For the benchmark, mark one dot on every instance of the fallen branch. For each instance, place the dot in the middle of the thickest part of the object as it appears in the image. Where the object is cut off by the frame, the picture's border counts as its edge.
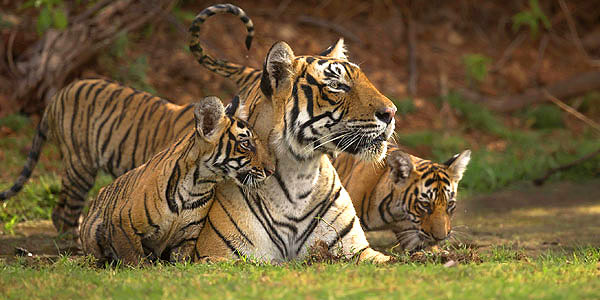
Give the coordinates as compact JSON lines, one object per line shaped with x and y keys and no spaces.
{"x":44,"y":67}
{"x":541,"y":180}
{"x":573,"y":86}
{"x":572,"y":111}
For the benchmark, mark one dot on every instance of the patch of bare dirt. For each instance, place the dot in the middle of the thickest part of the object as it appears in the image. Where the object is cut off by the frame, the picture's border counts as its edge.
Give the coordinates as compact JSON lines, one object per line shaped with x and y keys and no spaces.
{"x":35,"y":240}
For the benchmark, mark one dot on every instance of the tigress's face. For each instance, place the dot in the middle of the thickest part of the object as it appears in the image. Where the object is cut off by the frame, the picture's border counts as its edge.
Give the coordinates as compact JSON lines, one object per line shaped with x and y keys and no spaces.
{"x":422,"y":198}
{"x":237,"y":152}
{"x":329,"y":105}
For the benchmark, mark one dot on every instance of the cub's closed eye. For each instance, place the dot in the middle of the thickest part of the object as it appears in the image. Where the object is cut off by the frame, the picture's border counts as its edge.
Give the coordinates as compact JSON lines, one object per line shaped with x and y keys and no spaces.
{"x":333,"y":85}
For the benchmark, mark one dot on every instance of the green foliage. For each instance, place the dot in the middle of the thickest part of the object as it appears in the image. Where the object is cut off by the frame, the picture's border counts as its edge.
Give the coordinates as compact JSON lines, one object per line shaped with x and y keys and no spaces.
{"x":405,"y":106}
{"x":476,"y":67}
{"x":183,"y":15}
{"x":544,"y":116}
{"x":35,"y":201}
{"x":531,"y":18}
{"x":590,"y":103}
{"x":52,"y":14}
{"x":477,"y":117}
{"x":136,"y":75}
{"x":526,"y":154}
{"x":15,"y":122}
{"x":10,"y":224}
{"x":119,"y":47}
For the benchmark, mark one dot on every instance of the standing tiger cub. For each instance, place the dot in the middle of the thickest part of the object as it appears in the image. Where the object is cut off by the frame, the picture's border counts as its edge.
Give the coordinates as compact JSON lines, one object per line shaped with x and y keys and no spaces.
{"x":157,"y":209}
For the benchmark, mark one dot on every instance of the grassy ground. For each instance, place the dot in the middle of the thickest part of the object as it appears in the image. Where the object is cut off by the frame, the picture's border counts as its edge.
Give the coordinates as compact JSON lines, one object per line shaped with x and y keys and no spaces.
{"x":502,"y":274}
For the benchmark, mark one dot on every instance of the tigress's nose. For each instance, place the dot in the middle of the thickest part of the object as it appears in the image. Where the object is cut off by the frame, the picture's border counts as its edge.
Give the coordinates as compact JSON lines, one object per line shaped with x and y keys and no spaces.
{"x":386,"y":115}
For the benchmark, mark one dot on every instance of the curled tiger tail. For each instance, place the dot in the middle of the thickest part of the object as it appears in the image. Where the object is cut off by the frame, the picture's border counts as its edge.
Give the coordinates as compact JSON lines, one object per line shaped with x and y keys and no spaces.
{"x":32,"y":158}
{"x":220,"y":66}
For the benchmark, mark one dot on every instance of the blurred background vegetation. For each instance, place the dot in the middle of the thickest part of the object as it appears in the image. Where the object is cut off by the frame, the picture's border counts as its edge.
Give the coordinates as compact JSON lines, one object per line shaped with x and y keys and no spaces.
{"x":465,"y":57}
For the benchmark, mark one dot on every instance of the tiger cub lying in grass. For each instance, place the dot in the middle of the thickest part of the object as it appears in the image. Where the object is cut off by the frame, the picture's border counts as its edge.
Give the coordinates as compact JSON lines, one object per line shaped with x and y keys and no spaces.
{"x":157,"y":209}
{"x":413,"y":197}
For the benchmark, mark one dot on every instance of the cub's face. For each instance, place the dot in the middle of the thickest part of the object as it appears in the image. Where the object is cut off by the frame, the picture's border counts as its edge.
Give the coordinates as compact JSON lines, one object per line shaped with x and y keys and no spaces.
{"x":329,"y":104}
{"x":235,"y":151}
{"x":242,"y":156}
{"x":422,"y":198}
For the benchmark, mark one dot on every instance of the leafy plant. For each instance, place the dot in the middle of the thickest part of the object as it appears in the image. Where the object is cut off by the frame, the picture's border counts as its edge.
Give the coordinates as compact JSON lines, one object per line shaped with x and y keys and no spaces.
{"x":119,"y":46}
{"x":544,"y":116}
{"x":136,"y":75}
{"x":531,"y":18}
{"x":15,"y":122}
{"x":476,"y":116}
{"x":52,"y":14}
{"x":476,"y":66}
{"x":10,"y":224}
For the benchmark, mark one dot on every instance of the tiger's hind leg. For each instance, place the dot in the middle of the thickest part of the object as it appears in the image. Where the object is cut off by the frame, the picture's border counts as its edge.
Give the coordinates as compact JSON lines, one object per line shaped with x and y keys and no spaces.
{"x":76,"y":183}
{"x":127,"y":246}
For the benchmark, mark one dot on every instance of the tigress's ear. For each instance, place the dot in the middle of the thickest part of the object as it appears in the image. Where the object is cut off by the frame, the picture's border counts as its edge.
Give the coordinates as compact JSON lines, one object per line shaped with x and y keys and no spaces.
{"x":458,"y":164}
{"x":277,"y":70}
{"x":336,"y":51}
{"x":401,"y":166}
{"x":208,"y":113}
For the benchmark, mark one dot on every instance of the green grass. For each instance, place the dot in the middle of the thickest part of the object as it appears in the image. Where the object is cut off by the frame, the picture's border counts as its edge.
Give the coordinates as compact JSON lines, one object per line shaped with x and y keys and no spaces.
{"x":503,"y":274}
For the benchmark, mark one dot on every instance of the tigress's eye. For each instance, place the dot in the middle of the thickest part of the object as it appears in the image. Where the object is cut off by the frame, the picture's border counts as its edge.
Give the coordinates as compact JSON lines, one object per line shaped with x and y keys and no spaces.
{"x":245,"y":144}
{"x":333,"y":84}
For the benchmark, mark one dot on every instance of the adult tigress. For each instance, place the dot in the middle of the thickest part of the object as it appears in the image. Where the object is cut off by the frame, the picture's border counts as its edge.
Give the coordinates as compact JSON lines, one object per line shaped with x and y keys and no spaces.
{"x":303,"y":107}
{"x":411,"y":196}
{"x":379,"y":195}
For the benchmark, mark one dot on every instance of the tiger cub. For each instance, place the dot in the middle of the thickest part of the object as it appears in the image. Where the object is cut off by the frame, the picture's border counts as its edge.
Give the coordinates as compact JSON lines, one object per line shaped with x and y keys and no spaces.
{"x":413,"y":197}
{"x":157,"y":209}
{"x":100,"y":125}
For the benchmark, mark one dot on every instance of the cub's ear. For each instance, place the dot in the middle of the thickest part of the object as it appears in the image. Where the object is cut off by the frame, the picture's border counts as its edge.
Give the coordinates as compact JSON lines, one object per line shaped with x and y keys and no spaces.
{"x":458,"y":164}
{"x":401,"y":166}
{"x":277,"y":70}
{"x":336,"y":51}
{"x":209,"y":114}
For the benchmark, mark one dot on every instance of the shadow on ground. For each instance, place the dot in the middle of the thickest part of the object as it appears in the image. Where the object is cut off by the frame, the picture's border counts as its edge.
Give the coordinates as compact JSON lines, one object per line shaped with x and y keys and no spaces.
{"x":558,"y":216}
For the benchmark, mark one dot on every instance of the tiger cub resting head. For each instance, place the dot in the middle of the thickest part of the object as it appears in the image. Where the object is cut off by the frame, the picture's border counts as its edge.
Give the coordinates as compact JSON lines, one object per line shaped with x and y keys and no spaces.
{"x":413,"y":197}
{"x":157,"y":209}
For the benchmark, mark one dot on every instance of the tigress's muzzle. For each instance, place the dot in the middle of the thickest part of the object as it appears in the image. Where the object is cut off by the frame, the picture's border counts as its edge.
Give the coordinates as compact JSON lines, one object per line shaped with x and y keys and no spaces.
{"x":358,"y":143}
